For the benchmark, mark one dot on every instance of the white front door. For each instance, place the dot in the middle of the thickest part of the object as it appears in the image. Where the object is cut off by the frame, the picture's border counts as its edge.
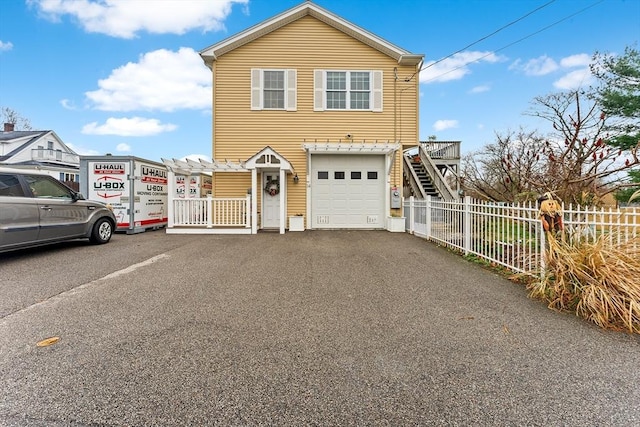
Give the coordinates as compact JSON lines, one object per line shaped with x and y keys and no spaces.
{"x":271,"y":199}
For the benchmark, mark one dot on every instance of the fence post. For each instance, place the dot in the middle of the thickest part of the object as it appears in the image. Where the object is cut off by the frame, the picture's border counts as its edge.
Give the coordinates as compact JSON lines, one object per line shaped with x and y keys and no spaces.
{"x":466,"y":224}
{"x":427,"y":217}
{"x":209,"y":211}
{"x":543,"y":251}
{"x":411,"y":215}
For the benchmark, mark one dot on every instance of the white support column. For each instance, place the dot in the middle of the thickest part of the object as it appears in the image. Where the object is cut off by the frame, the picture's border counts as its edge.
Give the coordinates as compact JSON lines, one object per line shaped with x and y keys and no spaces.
{"x":171,"y":194}
{"x":283,"y":200}
{"x":247,"y":220}
{"x":254,"y":201}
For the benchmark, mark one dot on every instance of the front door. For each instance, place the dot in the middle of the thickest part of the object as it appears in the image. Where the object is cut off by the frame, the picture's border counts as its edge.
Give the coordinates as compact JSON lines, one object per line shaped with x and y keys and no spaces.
{"x":271,"y":199}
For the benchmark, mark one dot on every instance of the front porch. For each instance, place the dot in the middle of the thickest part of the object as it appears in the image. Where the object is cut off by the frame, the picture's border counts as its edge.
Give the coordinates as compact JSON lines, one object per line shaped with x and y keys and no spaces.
{"x":229,"y":215}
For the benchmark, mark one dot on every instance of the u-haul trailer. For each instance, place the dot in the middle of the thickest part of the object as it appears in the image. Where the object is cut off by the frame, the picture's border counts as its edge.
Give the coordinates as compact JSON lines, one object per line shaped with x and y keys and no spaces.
{"x":193,"y":186}
{"x":136,"y":189}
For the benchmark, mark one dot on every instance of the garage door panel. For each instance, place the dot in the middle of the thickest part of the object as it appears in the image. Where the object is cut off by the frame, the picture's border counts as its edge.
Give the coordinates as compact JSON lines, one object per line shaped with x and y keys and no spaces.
{"x":351,"y":193}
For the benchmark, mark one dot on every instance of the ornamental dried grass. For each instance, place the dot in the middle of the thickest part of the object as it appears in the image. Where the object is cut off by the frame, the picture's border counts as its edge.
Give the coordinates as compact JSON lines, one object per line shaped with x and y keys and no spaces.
{"x":599,"y":281}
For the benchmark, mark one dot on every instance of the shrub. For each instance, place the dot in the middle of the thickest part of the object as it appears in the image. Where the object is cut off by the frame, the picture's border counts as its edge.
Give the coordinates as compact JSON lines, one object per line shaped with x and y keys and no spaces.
{"x":599,"y":281}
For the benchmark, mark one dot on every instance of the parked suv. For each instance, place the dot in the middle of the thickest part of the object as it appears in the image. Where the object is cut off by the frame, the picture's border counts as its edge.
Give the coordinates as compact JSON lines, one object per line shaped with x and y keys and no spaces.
{"x":36,"y":209}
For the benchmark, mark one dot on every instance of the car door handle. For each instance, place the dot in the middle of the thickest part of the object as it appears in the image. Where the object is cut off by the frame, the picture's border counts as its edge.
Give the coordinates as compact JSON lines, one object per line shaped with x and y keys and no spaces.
{"x":45,"y":208}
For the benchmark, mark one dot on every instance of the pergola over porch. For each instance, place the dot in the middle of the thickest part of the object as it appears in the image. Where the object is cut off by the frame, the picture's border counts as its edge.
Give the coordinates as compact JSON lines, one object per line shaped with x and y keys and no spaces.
{"x":213,"y":215}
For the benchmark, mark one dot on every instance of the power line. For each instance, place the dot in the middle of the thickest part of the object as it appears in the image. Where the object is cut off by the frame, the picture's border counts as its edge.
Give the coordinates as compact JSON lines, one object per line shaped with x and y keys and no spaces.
{"x":481,"y":39}
{"x":503,"y":47}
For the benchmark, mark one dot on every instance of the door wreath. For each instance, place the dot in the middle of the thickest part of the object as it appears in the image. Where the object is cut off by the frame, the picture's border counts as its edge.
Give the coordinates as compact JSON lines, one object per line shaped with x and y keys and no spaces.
{"x":272,"y":187}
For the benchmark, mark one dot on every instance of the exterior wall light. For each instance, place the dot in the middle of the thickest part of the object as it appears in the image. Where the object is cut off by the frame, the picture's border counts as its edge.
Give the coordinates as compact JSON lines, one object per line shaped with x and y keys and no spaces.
{"x":296,"y":179}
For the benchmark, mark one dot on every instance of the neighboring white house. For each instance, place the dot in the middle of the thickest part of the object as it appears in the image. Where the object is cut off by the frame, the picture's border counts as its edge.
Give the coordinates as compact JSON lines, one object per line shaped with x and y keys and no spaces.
{"x":42,"y":150}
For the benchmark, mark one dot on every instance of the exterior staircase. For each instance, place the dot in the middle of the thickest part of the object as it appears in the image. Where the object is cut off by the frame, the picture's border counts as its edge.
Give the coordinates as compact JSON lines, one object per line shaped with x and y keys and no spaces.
{"x":424,"y":179}
{"x":426,"y":170}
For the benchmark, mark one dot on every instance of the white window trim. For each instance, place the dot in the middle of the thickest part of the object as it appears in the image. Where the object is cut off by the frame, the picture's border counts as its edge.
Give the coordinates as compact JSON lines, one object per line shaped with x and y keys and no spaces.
{"x":257,"y":89}
{"x":375,"y":90}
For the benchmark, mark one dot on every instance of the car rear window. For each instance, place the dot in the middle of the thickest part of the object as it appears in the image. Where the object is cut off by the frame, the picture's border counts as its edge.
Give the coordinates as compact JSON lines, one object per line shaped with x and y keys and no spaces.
{"x":10,"y":186}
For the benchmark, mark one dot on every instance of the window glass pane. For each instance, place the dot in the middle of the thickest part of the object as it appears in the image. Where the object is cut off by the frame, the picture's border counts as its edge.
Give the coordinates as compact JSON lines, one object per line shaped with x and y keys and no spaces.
{"x":356,"y":175}
{"x":360,"y":100}
{"x":43,"y":186}
{"x":336,"y":100}
{"x":336,"y":90}
{"x":273,"y":99}
{"x":10,"y":186}
{"x":323,"y":175}
{"x":273,"y":89}
{"x":274,"y":79}
{"x":359,"y":80}
{"x":372,"y":175}
{"x":336,"y":80}
{"x":338,"y":175}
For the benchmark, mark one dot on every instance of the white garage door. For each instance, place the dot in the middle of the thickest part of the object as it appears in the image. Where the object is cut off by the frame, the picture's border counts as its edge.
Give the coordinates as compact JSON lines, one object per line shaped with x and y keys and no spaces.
{"x":347,"y":191}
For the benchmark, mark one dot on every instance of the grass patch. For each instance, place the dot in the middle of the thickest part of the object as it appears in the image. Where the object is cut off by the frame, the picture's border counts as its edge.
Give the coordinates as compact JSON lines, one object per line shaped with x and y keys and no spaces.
{"x":598,"y":281}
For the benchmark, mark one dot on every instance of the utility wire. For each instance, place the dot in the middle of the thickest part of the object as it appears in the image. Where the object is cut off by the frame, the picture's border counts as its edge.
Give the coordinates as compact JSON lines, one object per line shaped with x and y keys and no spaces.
{"x":481,"y":39}
{"x":503,"y":47}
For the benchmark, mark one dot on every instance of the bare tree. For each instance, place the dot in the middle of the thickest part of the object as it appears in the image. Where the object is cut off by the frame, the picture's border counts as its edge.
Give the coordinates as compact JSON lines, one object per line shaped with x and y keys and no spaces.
{"x":581,"y":166}
{"x":11,"y":116}
{"x":508,"y":170}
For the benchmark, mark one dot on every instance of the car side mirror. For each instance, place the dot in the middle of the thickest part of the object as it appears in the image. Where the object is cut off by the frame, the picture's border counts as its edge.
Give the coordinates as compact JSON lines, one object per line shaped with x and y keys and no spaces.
{"x":76,"y":196}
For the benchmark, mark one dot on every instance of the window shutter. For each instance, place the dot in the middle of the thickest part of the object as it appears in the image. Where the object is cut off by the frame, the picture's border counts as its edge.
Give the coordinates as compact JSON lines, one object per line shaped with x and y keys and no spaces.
{"x":290,"y":78}
{"x":318,"y":92}
{"x":377,"y":91}
{"x":256,"y":89}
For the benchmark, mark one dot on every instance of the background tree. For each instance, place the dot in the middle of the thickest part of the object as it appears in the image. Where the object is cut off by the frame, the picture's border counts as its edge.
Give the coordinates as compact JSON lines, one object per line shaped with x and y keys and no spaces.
{"x":506,"y":169}
{"x":618,"y":94}
{"x":11,"y":116}
{"x":576,"y":161}
{"x":583,"y":165}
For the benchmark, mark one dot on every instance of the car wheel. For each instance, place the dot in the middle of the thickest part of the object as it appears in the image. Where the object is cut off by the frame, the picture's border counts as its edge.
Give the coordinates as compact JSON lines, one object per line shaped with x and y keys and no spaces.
{"x":102,"y":231}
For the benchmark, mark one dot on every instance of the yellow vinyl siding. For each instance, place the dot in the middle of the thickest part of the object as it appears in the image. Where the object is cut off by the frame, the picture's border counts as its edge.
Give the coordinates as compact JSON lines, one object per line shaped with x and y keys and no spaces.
{"x":305,"y":45}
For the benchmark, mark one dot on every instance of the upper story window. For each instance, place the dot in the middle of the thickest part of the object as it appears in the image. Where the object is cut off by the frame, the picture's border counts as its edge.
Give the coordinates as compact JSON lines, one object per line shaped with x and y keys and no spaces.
{"x":273,"y":89}
{"x":348,"y":90}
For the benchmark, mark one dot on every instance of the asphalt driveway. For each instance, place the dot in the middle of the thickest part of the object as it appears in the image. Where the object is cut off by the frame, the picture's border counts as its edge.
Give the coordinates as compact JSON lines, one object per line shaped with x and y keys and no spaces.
{"x":314,"y":328}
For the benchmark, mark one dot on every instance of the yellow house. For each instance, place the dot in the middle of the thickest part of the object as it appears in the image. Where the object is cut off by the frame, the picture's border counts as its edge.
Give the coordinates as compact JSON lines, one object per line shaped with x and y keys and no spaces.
{"x":310,"y":117}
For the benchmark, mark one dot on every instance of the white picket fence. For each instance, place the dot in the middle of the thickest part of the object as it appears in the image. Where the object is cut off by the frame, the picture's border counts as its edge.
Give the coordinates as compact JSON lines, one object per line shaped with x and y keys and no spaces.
{"x":510,"y":235}
{"x":211,"y":212}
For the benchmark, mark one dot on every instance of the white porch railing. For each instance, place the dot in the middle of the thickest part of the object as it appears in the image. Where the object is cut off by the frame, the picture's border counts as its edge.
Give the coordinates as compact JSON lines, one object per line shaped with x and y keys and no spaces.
{"x":510,"y":234}
{"x":212,"y":212}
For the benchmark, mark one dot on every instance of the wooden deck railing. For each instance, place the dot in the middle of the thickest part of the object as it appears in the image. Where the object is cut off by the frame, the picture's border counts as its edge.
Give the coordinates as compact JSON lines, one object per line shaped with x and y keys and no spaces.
{"x":449,"y":150}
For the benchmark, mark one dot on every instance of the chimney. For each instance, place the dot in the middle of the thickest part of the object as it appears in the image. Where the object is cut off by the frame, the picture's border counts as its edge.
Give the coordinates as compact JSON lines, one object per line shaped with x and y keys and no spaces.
{"x":8,"y":127}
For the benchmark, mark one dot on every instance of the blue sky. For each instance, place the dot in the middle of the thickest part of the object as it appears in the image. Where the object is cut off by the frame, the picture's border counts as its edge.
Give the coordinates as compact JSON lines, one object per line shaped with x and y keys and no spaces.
{"x":124,"y":77}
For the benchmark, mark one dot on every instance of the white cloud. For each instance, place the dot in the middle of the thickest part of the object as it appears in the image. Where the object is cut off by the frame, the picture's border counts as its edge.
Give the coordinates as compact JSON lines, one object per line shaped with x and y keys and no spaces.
{"x":125,"y":19}
{"x":5,"y":45}
{"x":161,"y":80}
{"x":480,"y":89}
{"x":574,"y":79}
{"x":579,"y":60}
{"x":456,"y":67}
{"x":535,"y":67}
{"x":124,"y":148}
{"x":135,"y":126}
{"x":440,"y":125}
{"x":67,"y":104}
